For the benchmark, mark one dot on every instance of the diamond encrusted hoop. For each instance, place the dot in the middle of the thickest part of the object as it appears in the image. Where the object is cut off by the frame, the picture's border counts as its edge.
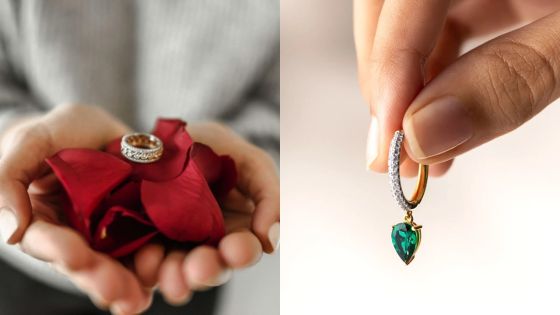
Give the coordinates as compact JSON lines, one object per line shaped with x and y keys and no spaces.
{"x":406,"y":235}
{"x":141,"y":147}
{"x":395,"y":178}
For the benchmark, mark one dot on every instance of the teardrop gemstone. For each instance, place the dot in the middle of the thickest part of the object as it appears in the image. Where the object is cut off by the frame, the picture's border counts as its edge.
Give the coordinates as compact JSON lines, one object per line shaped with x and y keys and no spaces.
{"x":405,"y":241}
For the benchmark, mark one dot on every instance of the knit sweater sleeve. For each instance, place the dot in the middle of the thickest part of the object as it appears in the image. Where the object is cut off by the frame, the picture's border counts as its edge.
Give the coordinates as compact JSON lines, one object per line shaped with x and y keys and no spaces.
{"x":16,"y":100}
{"x":258,"y":118}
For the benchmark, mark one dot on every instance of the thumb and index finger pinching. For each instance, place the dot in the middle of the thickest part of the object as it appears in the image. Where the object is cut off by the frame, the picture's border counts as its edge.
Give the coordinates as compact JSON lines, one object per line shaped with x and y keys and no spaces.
{"x":488,"y":92}
{"x":394,"y":73}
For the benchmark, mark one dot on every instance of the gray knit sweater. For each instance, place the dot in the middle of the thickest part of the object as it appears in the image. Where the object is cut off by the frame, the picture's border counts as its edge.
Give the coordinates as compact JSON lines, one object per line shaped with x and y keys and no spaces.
{"x":193,"y":59}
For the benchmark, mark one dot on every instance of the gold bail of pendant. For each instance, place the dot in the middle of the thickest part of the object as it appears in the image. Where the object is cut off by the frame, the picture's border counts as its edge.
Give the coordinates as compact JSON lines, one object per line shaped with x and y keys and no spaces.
{"x":408,"y":218}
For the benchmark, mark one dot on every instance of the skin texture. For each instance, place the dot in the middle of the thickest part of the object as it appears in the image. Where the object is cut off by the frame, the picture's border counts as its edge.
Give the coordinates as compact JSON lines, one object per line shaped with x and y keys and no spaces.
{"x":408,"y":58}
{"x":29,"y":189}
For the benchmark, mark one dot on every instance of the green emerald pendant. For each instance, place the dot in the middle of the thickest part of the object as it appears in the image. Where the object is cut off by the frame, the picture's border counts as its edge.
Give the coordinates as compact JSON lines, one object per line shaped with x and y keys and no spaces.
{"x":406,"y":239}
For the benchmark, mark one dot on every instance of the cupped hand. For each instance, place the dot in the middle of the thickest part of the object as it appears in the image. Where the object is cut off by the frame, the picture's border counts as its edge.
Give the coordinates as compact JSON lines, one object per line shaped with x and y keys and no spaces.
{"x":30,"y":210}
{"x":30,"y":213}
{"x":251,"y":212}
{"x":413,"y":78}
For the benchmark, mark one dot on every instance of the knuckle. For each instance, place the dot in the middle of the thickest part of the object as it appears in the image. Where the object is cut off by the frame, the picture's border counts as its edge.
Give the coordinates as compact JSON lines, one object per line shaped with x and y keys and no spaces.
{"x":519,"y":80}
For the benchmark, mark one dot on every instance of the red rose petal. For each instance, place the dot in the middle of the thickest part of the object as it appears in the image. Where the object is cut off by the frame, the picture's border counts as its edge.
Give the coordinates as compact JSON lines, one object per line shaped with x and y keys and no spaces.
{"x":184,"y":209}
{"x":167,"y":128}
{"x":176,"y":144}
{"x":87,"y":176}
{"x":207,"y":160}
{"x":228,"y":177}
{"x":74,"y":219}
{"x":219,"y":171}
{"x":122,"y":231}
{"x":127,"y":196}
{"x":114,"y":148}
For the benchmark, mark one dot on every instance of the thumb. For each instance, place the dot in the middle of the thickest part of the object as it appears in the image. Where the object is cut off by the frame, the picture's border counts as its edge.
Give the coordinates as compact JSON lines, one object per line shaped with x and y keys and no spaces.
{"x":488,"y":92}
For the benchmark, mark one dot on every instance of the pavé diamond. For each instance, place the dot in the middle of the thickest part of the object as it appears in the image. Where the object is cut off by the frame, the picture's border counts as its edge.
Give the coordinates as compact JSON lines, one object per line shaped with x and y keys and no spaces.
{"x":394,"y":175}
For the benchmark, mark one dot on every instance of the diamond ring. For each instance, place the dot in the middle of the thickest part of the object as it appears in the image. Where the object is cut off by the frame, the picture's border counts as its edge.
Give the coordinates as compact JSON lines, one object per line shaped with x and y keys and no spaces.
{"x":141,"y":147}
{"x":395,"y":178}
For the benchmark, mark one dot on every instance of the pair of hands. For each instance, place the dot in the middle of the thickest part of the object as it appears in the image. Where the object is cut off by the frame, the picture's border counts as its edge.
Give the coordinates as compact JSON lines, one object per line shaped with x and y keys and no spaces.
{"x":31,"y":216}
{"x":413,"y":78}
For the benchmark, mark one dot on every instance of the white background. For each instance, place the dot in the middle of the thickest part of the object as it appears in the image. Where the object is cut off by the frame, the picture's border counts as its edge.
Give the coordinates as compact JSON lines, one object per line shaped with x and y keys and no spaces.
{"x":254,"y":291}
{"x":490,"y":227}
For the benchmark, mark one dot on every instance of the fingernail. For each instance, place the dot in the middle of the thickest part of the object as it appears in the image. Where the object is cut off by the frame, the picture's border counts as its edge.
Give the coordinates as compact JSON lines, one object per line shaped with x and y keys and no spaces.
{"x":181,"y":300}
{"x":117,"y":309}
{"x":8,"y":223}
{"x":222,"y":278}
{"x":438,"y":127}
{"x":372,"y":143}
{"x":99,"y":302}
{"x":274,"y":236}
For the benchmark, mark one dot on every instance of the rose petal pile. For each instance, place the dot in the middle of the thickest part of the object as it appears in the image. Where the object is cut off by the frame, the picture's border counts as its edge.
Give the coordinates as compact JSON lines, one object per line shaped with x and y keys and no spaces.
{"x":119,"y":205}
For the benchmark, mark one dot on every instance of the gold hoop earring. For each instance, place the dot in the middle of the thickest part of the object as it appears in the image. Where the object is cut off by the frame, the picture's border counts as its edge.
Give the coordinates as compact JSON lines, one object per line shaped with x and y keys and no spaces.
{"x":406,"y":235}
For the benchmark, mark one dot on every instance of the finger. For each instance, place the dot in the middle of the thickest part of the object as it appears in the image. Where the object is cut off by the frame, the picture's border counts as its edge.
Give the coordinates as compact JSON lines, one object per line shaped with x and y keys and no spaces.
{"x":127,"y":298}
{"x":147,"y":262}
{"x":469,"y":19}
{"x":204,"y":268}
{"x":58,"y":245}
{"x":406,"y":34}
{"x":235,"y":221}
{"x":102,"y":278}
{"x":238,"y":202}
{"x":47,"y":184}
{"x":446,"y":50}
{"x":259,"y":179}
{"x":440,"y":169}
{"x":409,"y":168}
{"x":444,"y":53}
{"x":491,"y":90}
{"x":366,"y":13}
{"x":482,"y":17}
{"x":240,"y":249}
{"x":172,"y":282}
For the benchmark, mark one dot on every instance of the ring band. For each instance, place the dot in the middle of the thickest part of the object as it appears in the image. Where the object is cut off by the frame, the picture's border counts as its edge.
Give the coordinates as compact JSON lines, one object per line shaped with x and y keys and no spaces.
{"x":395,"y":178}
{"x":141,"y":147}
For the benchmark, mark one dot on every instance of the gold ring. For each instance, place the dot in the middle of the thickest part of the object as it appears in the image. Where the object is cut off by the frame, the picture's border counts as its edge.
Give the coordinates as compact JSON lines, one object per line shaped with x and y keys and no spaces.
{"x":141,"y":147}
